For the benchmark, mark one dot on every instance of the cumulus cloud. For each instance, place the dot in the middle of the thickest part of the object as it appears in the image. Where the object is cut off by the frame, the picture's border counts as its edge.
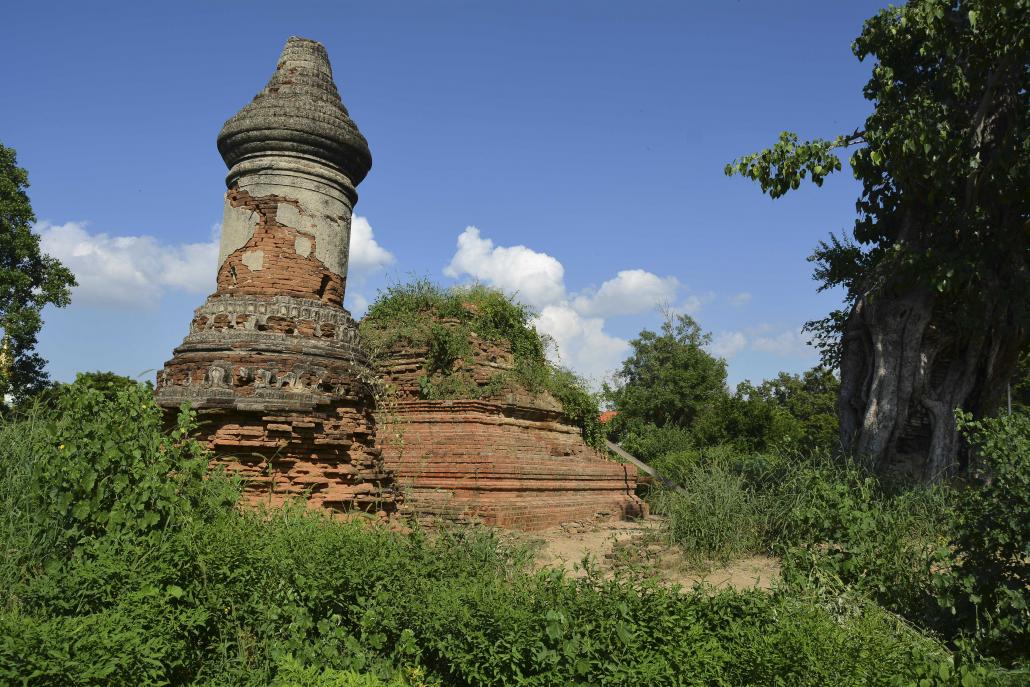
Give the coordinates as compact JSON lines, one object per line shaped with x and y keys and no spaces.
{"x":727,"y":344}
{"x":575,"y":323}
{"x":135,"y":271}
{"x":536,"y":278}
{"x":129,"y":271}
{"x":631,"y":292}
{"x":581,"y":342}
{"x":366,"y":255}
{"x":693,"y":303}
{"x":367,"y":258}
{"x":739,"y":299}
{"x":792,"y":342}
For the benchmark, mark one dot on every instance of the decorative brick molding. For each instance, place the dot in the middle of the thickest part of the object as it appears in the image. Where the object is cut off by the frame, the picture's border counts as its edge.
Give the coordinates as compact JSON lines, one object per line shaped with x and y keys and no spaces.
{"x":273,"y":363}
{"x":513,"y":461}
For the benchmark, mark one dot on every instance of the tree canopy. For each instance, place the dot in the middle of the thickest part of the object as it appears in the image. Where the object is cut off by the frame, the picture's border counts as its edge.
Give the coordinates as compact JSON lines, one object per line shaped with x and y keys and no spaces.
{"x":790,"y":411}
{"x":29,"y":280}
{"x":669,"y":378}
{"x":935,"y":268}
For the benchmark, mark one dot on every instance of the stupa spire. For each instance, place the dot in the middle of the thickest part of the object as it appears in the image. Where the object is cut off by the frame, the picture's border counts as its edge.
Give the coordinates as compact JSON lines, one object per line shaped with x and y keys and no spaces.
{"x":299,"y":113}
{"x":272,"y":362}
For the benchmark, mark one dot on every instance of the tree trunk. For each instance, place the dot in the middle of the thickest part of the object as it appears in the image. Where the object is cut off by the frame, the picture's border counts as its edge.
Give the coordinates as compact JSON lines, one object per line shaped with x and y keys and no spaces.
{"x":904,"y":374}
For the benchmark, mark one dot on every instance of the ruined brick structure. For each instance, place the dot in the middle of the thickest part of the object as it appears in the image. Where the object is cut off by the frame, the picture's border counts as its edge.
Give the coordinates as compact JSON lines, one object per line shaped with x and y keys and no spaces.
{"x":272,"y":361}
{"x":282,"y":385}
{"x":512,"y":460}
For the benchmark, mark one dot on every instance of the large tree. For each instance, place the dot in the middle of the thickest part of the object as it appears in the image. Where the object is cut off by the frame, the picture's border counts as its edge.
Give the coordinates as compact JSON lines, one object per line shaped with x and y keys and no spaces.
{"x":29,"y":280}
{"x":935,"y":276}
{"x":669,"y":379}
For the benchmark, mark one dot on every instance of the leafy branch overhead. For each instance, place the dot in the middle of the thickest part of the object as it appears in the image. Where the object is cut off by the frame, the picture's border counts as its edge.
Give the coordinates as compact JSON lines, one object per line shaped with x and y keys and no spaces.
{"x":935,"y":272}
{"x":783,"y":167}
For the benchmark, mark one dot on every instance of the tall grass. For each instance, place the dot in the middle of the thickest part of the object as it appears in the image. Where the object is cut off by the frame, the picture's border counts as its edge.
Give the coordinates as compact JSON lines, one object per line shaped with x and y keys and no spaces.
{"x":25,"y":537}
{"x":717,"y":517}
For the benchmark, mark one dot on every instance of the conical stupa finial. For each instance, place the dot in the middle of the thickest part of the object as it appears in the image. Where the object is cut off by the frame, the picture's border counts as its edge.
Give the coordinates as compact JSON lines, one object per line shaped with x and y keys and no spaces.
{"x":298,"y":113}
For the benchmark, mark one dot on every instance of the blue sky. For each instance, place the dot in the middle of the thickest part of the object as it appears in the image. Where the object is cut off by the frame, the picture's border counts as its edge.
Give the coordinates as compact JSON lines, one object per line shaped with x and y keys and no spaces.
{"x":569,"y":151}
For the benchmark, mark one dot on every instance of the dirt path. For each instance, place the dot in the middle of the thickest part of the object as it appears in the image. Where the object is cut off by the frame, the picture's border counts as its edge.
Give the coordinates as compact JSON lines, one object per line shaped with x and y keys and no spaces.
{"x":638,"y":546}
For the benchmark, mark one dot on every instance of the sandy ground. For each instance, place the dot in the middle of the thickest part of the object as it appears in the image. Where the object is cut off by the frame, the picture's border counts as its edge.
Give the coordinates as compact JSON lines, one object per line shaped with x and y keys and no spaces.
{"x":638,"y":547}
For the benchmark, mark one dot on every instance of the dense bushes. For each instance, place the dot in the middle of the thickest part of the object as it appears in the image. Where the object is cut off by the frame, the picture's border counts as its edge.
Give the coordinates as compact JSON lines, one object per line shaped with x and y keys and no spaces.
{"x":988,"y":587}
{"x":194,"y":591}
{"x":955,"y":560}
{"x":445,"y":321}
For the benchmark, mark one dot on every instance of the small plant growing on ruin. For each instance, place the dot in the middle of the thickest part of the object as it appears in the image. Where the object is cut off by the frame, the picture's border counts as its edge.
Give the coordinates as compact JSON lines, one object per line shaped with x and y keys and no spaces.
{"x":446,"y":321}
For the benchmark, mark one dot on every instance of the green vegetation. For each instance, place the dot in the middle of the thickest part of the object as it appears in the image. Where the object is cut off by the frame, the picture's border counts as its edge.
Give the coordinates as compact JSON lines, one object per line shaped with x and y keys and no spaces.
{"x":447,"y":321}
{"x":935,"y":271}
{"x":126,"y":567}
{"x":29,"y":281}
{"x":671,"y":396}
{"x":760,"y":471}
{"x":123,"y":561}
{"x":952,"y":560}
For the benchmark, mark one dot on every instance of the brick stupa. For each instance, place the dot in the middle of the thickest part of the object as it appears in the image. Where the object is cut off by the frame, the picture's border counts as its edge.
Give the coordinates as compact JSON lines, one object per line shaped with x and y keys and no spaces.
{"x":509,"y":459}
{"x":272,"y":361}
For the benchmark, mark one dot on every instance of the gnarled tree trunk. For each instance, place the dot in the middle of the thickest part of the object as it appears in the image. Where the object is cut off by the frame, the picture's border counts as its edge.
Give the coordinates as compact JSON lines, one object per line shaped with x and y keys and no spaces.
{"x":904,"y":374}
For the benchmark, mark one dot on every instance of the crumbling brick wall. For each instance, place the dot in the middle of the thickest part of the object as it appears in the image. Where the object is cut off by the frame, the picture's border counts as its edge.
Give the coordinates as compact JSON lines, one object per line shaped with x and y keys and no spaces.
{"x":513,"y":461}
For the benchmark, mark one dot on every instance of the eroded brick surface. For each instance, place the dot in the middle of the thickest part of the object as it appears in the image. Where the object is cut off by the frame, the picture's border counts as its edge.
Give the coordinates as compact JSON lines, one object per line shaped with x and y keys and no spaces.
{"x":272,"y":361}
{"x":278,"y":259}
{"x":513,"y":461}
{"x":282,"y":387}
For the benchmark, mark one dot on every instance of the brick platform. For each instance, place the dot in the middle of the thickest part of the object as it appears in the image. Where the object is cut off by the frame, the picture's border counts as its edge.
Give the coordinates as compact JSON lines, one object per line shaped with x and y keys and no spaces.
{"x":510,"y":461}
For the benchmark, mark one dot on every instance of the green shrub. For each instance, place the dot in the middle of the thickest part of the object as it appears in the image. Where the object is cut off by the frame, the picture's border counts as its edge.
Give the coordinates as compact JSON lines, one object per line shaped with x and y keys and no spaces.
{"x":716,"y":517}
{"x":986,"y":589}
{"x":292,"y":673}
{"x":208,"y":594}
{"x":98,"y":463}
{"x":649,"y":442}
{"x":835,"y":524}
{"x":830,"y":521}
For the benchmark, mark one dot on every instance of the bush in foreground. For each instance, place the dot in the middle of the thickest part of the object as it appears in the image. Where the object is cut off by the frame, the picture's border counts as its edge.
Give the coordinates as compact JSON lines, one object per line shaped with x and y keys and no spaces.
{"x":955,"y":560}
{"x":194,"y":591}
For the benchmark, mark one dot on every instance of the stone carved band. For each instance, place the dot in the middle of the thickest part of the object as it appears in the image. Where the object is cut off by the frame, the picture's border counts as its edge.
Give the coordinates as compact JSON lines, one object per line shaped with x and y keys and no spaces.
{"x":289,"y":315}
{"x":299,"y":170}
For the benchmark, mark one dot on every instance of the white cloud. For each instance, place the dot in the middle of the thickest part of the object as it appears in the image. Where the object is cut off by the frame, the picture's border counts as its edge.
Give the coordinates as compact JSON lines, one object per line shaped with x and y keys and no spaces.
{"x":727,"y":344}
{"x":135,"y":271}
{"x":366,"y":259}
{"x":631,"y":292}
{"x":693,"y":303}
{"x":356,"y":302}
{"x":128,"y":271}
{"x":582,"y":344}
{"x":535,"y":278}
{"x":739,"y":299}
{"x":366,"y":255}
{"x":576,"y":322}
{"x":792,"y":342}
